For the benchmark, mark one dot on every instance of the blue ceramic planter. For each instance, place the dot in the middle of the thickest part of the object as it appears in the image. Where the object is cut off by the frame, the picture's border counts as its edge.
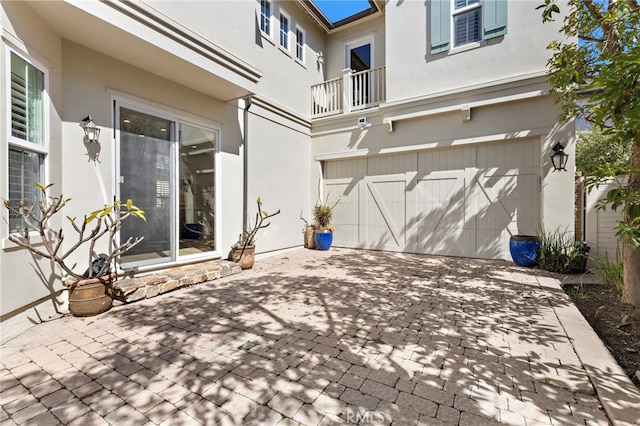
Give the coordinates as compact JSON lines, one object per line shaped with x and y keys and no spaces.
{"x":323,"y":239}
{"x":524,"y":249}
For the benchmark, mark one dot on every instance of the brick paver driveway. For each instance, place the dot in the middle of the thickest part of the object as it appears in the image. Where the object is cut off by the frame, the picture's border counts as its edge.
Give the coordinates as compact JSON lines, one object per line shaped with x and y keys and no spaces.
{"x":310,"y":338}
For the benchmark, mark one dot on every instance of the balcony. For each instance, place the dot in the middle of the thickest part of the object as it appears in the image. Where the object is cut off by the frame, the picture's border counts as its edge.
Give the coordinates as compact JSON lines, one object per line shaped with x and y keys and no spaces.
{"x":354,"y":91}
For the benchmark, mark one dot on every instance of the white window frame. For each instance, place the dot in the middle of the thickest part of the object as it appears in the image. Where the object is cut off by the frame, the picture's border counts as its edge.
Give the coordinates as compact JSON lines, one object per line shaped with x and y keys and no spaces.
{"x":287,"y":35}
{"x":455,"y":12}
{"x":359,"y":42}
{"x":301,"y":46}
{"x":263,"y":18}
{"x":14,"y":142}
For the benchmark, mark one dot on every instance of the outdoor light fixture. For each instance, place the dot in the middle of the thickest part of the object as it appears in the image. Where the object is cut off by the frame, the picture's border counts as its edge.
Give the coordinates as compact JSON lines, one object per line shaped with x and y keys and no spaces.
{"x":559,"y":157}
{"x":91,"y":131}
{"x":320,"y":57}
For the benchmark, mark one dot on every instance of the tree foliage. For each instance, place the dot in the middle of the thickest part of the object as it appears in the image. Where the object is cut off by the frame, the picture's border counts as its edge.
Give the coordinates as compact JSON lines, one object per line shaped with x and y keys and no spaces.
{"x":596,"y":149}
{"x":595,"y":71}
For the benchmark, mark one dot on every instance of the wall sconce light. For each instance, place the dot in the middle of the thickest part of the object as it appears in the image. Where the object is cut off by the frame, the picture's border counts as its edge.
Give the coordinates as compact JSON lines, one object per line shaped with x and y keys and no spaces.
{"x":91,"y":131}
{"x":559,"y":157}
{"x":320,"y":57}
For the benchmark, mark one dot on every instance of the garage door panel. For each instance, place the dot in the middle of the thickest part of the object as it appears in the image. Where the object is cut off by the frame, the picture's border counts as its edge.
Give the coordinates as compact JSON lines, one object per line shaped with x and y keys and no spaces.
{"x":385,"y":214}
{"x":440,"y":214}
{"x":461,"y":201}
{"x":391,"y":165}
{"x":345,"y":169}
{"x":442,"y":160}
{"x":507,"y":204}
{"x":490,"y":246}
{"x":346,"y":212}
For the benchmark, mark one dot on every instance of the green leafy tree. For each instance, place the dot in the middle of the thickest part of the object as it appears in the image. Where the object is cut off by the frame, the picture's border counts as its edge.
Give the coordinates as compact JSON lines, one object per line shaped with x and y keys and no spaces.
{"x":595,"y":71}
{"x":595,"y":149}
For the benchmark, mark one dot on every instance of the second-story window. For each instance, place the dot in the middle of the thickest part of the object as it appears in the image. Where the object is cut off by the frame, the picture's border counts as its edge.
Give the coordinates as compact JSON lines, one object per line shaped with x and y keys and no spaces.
{"x":456,"y":23}
{"x":265,"y":16}
{"x":300,"y":44}
{"x":467,"y":22}
{"x":284,"y":31}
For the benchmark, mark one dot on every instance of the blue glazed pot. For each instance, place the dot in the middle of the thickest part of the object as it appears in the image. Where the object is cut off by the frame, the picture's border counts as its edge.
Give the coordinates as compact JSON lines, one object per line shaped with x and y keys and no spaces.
{"x":323,"y":239}
{"x":524,"y":249}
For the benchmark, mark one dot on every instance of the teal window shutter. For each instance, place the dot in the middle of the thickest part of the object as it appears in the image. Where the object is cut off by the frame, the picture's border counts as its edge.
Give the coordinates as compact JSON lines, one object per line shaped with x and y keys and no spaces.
{"x":495,"y":18}
{"x":440,"y":25}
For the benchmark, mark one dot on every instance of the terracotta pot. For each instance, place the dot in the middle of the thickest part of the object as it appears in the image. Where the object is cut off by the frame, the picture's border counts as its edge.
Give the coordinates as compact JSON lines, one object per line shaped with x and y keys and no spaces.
{"x":90,"y":297}
{"x":246,"y":259}
{"x":309,"y":240}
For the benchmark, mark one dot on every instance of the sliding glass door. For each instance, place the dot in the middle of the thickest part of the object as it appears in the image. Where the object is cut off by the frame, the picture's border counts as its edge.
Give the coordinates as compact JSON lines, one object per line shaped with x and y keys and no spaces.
{"x":197,"y":190}
{"x":167,"y":168}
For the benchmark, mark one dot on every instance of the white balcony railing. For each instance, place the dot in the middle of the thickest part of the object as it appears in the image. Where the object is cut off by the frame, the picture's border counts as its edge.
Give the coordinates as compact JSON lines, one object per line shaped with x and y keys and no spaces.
{"x":351,"y":92}
{"x":326,"y":98}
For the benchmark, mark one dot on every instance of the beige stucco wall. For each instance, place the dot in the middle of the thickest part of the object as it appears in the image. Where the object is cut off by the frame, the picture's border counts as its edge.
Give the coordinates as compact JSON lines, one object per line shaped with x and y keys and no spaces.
{"x":28,"y":287}
{"x":227,"y":23}
{"x":234,"y":25}
{"x":413,"y":71}
{"x":287,"y":81}
{"x":279,"y":170}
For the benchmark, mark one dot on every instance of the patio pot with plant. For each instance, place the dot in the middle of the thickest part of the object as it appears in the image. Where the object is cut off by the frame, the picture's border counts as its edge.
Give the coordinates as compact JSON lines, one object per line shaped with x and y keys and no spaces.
{"x":89,"y":293}
{"x":243,"y":252}
{"x":309,"y":234}
{"x":524,"y":249}
{"x":322,"y":216}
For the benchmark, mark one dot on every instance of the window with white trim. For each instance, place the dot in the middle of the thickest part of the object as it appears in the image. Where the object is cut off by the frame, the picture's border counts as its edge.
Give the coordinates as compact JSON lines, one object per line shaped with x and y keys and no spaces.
{"x":27,"y":136}
{"x":456,"y":23}
{"x":300,"y":43}
{"x":265,"y":17}
{"x":284,"y":31}
{"x":467,"y":22}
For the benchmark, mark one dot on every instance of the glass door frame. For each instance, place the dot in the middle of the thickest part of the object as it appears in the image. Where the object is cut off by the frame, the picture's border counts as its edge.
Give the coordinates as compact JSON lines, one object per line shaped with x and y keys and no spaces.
{"x":177,"y":119}
{"x":356,"y":43}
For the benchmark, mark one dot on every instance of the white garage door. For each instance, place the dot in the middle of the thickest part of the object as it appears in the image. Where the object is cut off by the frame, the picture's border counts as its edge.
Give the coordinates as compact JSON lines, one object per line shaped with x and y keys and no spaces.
{"x":464,"y":201}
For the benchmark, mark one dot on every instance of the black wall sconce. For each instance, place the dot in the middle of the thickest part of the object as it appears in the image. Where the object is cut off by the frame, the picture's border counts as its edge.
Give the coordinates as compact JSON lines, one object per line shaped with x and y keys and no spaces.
{"x":559,"y":157}
{"x":91,"y":131}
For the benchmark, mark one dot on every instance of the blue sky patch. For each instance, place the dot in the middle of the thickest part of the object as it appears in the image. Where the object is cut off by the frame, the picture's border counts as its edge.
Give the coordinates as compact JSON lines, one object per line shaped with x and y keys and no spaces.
{"x":337,"y":10}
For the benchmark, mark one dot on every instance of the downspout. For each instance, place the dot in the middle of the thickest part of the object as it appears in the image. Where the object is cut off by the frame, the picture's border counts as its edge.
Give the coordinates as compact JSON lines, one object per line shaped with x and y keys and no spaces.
{"x":245,"y":177}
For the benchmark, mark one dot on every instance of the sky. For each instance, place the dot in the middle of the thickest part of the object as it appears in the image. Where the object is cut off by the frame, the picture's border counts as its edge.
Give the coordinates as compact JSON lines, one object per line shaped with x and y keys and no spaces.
{"x":336,"y":10}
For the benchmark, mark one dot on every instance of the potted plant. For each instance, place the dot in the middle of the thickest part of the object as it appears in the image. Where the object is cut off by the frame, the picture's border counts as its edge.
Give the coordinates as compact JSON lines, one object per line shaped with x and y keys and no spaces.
{"x":309,"y":234}
{"x":243,"y":252}
{"x":89,"y":292}
{"x":322,"y":216}
{"x":524,"y":249}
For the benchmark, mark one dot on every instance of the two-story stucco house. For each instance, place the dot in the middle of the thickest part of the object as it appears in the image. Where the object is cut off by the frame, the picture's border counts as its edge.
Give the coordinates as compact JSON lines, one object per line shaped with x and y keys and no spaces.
{"x":430,"y":121}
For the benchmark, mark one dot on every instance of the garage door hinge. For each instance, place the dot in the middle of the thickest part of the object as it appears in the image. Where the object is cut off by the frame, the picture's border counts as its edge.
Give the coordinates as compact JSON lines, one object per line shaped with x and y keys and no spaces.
{"x":539,"y":183}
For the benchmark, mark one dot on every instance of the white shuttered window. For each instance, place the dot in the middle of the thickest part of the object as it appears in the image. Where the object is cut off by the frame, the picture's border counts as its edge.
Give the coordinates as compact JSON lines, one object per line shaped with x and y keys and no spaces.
{"x":27,"y":136}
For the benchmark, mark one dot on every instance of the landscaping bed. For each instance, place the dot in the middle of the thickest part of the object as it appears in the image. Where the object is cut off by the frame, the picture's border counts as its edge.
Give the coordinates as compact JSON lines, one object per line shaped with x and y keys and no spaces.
{"x":616,"y":323}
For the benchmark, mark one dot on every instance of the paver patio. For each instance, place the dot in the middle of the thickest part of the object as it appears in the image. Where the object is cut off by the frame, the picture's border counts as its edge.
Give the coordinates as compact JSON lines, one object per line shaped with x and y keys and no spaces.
{"x":310,"y":337}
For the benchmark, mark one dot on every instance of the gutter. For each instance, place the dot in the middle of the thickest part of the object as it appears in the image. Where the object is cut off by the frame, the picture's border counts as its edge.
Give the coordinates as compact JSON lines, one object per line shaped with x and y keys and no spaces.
{"x":245,"y":166}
